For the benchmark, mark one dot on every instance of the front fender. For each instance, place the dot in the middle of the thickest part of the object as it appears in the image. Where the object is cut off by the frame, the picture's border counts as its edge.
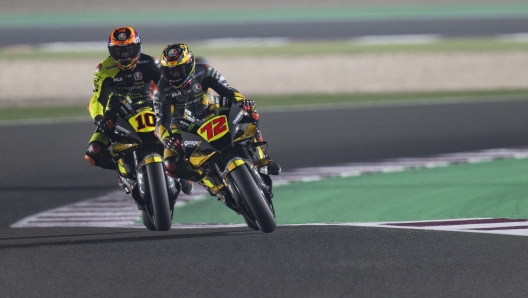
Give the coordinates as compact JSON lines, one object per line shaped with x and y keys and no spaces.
{"x":142,"y":176}
{"x":233,"y":164}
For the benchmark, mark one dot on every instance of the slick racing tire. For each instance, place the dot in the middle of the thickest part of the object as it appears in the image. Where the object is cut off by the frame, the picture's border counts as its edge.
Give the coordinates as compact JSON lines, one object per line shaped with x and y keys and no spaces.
{"x":250,"y":223}
{"x":159,"y":197}
{"x":254,"y":199}
{"x":147,"y":222}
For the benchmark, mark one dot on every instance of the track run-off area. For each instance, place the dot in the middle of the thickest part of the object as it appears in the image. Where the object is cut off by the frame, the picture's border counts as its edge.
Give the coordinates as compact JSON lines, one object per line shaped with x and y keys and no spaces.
{"x":444,"y":192}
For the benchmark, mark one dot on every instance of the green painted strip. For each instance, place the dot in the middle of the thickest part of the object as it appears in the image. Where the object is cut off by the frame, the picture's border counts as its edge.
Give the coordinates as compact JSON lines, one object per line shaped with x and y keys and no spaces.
{"x":262,"y":16}
{"x":489,"y":189}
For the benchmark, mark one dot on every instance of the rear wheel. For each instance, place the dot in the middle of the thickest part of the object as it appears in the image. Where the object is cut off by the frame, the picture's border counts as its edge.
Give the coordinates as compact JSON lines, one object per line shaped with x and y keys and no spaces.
{"x":159,"y":197}
{"x":254,"y":199}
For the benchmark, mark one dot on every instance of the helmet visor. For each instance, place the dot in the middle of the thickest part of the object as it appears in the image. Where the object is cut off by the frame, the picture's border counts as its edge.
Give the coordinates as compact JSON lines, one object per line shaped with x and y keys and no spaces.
{"x":177,"y":74}
{"x":124,"y":53}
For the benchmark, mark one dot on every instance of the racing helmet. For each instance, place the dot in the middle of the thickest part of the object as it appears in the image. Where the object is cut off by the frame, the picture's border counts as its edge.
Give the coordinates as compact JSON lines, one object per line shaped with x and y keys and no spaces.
{"x":124,"y":46}
{"x":177,"y":65}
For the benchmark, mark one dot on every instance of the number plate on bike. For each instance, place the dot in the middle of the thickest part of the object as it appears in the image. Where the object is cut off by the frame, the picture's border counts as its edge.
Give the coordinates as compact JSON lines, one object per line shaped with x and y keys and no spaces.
{"x":145,"y":121}
{"x":214,"y":129}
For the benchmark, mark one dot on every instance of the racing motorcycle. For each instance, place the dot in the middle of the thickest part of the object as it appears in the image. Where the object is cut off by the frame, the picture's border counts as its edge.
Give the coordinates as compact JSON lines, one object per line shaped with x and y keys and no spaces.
{"x":221,"y":148}
{"x":139,"y":160}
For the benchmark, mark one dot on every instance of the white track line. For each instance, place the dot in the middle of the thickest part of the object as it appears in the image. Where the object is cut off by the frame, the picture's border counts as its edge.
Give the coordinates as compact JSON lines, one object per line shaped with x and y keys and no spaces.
{"x":116,"y":209}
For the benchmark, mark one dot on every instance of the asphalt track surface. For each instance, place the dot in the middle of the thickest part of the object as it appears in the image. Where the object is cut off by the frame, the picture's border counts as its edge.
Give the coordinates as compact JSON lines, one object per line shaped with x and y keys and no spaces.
{"x":478,"y":27}
{"x":43,"y":167}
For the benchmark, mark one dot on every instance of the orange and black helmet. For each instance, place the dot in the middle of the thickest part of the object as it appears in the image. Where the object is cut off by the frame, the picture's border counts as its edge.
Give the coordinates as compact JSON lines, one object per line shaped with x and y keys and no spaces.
{"x":124,"y":46}
{"x":177,"y":65}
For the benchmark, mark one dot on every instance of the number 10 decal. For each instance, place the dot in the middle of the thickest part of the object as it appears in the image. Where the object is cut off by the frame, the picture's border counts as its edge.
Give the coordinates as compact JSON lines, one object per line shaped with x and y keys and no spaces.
{"x":214,"y":129}
{"x":145,"y":122}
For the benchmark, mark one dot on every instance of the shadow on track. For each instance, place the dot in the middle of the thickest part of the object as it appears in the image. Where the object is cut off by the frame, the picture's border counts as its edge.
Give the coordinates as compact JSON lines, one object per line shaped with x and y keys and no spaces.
{"x":99,"y":238}
{"x":57,"y":188}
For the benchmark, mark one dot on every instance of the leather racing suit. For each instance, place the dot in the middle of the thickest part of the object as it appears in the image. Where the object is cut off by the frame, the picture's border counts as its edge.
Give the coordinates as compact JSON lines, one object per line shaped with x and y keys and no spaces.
{"x":110,"y":84}
{"x":170,"y":104}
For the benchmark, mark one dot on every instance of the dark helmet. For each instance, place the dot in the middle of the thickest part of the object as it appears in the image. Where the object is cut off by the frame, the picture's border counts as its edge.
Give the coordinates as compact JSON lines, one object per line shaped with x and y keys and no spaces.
{"x":124,"y":46}
{"x":177,"y":65}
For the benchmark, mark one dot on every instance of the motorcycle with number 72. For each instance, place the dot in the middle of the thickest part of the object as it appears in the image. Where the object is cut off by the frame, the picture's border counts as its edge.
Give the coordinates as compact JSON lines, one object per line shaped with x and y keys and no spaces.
{"x":221,"y":148}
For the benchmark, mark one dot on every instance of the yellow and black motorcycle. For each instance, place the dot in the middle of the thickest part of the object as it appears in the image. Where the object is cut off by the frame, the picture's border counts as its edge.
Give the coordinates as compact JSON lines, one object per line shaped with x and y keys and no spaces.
{"x":139,"y":159}
{"x":221,"y":148}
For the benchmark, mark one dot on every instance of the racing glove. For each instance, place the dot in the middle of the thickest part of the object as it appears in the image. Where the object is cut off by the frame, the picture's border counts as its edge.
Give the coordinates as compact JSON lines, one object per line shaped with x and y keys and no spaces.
{"x":104,"y":123}
{"x":250,"y":107}
{"x":247,"y":104}
{"x":174,"y":144}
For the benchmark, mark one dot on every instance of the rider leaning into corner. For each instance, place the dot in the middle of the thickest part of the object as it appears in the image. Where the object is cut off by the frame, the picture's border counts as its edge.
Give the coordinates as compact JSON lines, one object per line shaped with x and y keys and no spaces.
{"x":184,"y":88}
{"x":126,"y":72}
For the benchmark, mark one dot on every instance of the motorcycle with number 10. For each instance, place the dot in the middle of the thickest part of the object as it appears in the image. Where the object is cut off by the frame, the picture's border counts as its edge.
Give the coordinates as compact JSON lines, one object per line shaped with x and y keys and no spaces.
{"x":137,"y":153}
{"x":221,"y":148}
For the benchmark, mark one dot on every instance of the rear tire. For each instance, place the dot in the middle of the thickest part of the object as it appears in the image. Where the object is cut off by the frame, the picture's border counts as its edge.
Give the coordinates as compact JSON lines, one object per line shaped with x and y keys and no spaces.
{"x":254,"y":199}
{"x":159,"y":197}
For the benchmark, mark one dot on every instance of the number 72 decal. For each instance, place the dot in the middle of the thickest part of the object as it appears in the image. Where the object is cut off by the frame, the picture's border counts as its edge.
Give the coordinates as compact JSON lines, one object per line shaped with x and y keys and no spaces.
{"x":214,"y":129}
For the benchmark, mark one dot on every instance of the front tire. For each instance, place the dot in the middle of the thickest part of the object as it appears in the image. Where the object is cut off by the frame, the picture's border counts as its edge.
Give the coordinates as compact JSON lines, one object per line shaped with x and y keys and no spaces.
{"x":254,"y":199}
{"x":147,"y":222}
{"x":159,"y":197}
{"x":250,"y":223}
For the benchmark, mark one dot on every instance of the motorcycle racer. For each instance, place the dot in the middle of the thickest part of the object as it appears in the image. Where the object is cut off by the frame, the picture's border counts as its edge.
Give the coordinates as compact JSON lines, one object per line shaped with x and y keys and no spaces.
{"x":184,"y":88}
{"x":125,"y":74}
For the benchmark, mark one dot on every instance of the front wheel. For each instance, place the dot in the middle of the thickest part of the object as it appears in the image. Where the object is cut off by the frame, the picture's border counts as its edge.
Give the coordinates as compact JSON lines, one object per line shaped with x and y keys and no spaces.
{"x":159,"y":197}
{"x":254,"y":199}
{"x":147,"y":222}
{"x":250,"y":223}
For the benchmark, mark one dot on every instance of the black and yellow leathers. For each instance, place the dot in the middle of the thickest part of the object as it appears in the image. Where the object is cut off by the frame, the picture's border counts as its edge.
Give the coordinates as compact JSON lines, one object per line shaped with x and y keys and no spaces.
{"x":110,"y":85}
{"x":195,"y":98}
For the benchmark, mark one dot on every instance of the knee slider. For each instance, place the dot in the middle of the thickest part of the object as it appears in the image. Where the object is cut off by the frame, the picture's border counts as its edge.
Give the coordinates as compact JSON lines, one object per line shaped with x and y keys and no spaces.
{"x":96,"y":155}
{"x":170,"y":165}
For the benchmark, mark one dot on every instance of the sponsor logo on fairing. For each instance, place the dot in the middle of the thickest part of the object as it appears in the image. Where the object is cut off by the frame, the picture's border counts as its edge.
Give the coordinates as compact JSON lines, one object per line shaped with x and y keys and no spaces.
{"x":189,"y":118}
{"x":118,"y":79}
{"x":238,"y":118}
{"x":144,"y":61}
{"x":122,"y":129}
{"x":191,"y":143}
